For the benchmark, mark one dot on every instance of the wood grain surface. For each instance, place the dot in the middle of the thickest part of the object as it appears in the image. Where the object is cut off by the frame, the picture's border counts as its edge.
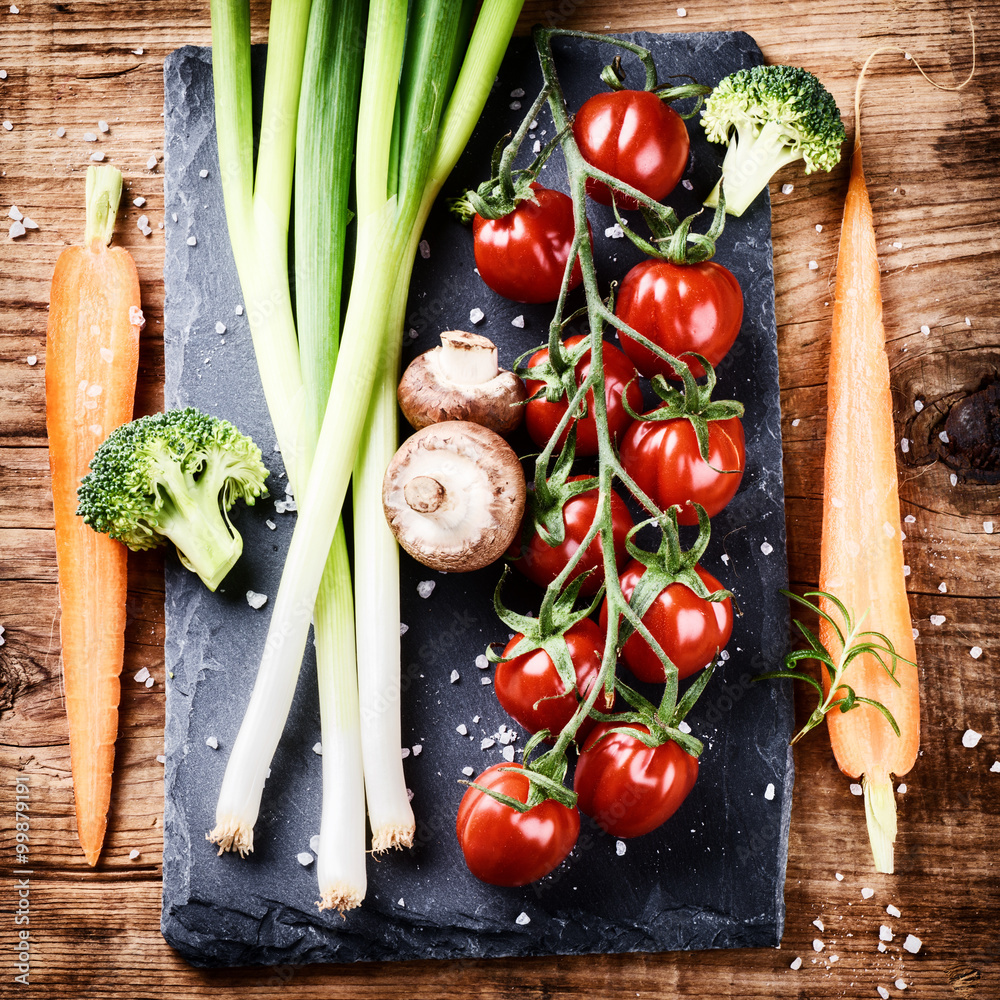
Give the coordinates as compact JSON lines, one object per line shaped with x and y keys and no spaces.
{"x":932,"y":164}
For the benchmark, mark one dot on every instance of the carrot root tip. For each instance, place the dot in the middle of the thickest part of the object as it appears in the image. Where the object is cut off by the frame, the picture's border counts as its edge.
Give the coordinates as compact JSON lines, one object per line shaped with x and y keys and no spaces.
{"x":880,"y":812}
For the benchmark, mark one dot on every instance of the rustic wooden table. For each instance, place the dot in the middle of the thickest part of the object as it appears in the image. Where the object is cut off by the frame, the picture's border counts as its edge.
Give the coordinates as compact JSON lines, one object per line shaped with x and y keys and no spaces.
{"x":932,"y":160}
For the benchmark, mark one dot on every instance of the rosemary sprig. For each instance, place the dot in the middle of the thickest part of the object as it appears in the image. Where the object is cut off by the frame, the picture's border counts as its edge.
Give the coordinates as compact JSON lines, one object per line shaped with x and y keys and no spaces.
{"x":853,"y":643}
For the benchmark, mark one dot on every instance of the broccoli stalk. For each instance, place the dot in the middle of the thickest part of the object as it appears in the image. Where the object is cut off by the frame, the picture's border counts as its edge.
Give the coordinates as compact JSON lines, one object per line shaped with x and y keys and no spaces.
{"x":778,"y":114}
{"x":174,"y":476}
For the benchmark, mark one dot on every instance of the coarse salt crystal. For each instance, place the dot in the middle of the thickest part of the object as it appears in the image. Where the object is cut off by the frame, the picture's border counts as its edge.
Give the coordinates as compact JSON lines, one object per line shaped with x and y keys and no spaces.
{"x":482,"y":661}
{"x":885,"y":933}
{"x":682,"y":12}
{"x":468,"y":771}
{"x":60,"y":132}
{"x":995,"y":767}
{"x":418,"y":749}
{"x":882,"y":947}
{"x":484,"y":681}
{"x":220,"y":327}
{"x":454,"y":677}
{"x":271,"y":524}
{"x":767,"y":548}
{"x":912,"y":944}
{"x":238,"y":310}
{"x":202,"y":174}
{"x":141,"y":676}
{"x":943,"y":587}
{"x":968,"y":322}
{"x":898,"y":245}
{"x":818,"y":945}
{"x":508,"y":754}
{"x":867,"y":893}
{"x":404,"y":752}
{"x":925,"y":329}
{"x":725,"y":558}
{"x":614,"y":232}
{"x":256,"y":600}
{"x":192,"y":241}
{"x":834,"y":958}
{"x":882,"y":992}
{"x":151,"y":163}
{"x":16,"y":229}
{"x":32,"y":359}
{"x":304,"y":858}
{"x":138,"y":52}
{"x":3,"y":74}
{"x":515,"y":105}
{"x":901,"y":789}
{"x":988,"y":527}
{"x":906,"y":572}
{"x":522,"y":918}
{"x":142,"y":221}
{"x":14,"y":213}
{"x":161,"y":759}
{"x":425,"y":588}
{"x":910,"y":519}
{"x":517,"y":92}
{"x":796,"y":422}
{"x":769,"y":795}
{"x":900,"y":984}
{"x":518,"y":321}
{"x":486,"y":742}
{"x":425,"y":249}
{"x":149,"y":682}
{"x":476,"y":315}
{"x":918,"y":405}
{"x":818,"y":924}
{"x":90,"y":137}
{"x":787,"y":188}
{"x":14,"y":9}
{"x":893,"y":911}
{"x":212,"y":742}
{"x":938,"y":619}
{"x":462,"y":729}
{"x":314,"y":843}
{"x":683,"y":726}
{"x":102,"y":126}
{"x":943,"y":436}
{"x":687,"y":185}
{"x":904,"y":445}
{"x":838,"y":876}
{"x":813,"y":265}
{"x":318,"y":749}
{"x":970,"y":738}
{"x":796,"y":964}
{"x":403,"y":628}
{"x":953,"y":479}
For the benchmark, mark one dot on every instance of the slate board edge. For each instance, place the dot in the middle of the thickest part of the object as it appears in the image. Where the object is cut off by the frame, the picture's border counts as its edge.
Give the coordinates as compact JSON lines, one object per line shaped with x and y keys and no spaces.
{"x":191,"y":944}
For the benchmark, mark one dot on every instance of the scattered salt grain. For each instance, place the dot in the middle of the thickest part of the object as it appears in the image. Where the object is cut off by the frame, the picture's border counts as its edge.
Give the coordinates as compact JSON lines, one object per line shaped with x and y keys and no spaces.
{"x":787,"y":188}
{"x":161,"y":759}
{"x":475,"y":719}
{"x":484,"y":681}
{"x":140,"y":677}
{"x":304,"y":858}
{"x":271,"y":524}
{"x":769,"y":795}
{"x":796,"y":964}
{"x":687,"y":185}
{"x":60,"y":132}
{"x":683,"y":726}
{"x":462,"y":729}
{"x":906,"y":572}
{"x":893,"y":911}
{"x":508,"y":754}
{"x":883,"y":992}
{"x":900,"y":984}
{"x":885,"y":933}
{"x":173,"y":215}
{"x":425,"y":588}
{"x":149,"y":682}
{"x":912,"y":944}
{"x":818,"y":945}
{"x":796,"y":422}
{"x":918,"y":405}
{"x":90,"y":137}
{"x":838,"y":876}
{"x":682,"y":12}
{"x":238,"y":310}
{"x":882,"y":947}
{"x":220,"y":327}
{"x":898,"y":245}
{"x":971,"y":738}
{"x":725,"y":558}
{"x":192,"y":241}
{"x":988,"y":527}
{"x":818,"y":924}
{"x":486,"y":743}
{"x":904,"y":445}
{"x":518,"y":321}
{"x":517,"y":92}
{"x":318,"y":749}
{"x":975,"y":652}
{"x":867,"y":893}
{"x":16,"y":229}
{"x":901,"y":789}
{"x":515,"y":105}
{"x":418,"y":749}
{"x":968,"y":322}
{"x":14,"y":9}
{"x":925,"y":329}
{"x":212,"y":742}
{"x":834,"y":958}
{"x":454,"y":677}
{"x":314,"y":843}
{"x":813,"y":266}
{"x":943,"y":436}
{"x":142,"y":221}
{"x":476,"y":315}
{"x":482,"y":661}
{"x":139,"y":202}
{"x":32,"y":359}
{"x":522,"y":918}
{"x":151,"y":163}
{"x":14,"y":213}
{"x":767,"y":548}
{"x":404,"y":752}
{"x":953,"y":479}
{"x":425,"y":249}
{"x":614,"y":232}
{"x":3,"y":74}
{"x":256,"y":600}
{"x":943,"y":587}
{"x":202,"y":174}
{"x":468,"y":771}
{"x":403,"y":628}
{"x":102,"y":126}
{"x":937,"y":619}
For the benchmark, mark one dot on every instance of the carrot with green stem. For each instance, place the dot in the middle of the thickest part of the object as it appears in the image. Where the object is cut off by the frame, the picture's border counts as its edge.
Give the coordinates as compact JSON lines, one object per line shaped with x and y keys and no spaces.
{"x":91,"y":358}
{"x":862,"y":553}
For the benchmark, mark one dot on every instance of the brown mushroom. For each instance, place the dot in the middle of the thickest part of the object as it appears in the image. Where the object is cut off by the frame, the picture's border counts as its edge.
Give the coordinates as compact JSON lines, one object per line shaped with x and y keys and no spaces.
{"x":454,"y":496}
{"x":461,"y":380}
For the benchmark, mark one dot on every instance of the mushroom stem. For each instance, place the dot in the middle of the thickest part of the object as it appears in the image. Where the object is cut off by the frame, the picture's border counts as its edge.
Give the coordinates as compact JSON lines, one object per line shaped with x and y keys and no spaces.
{"x":424,"y":494}
{"x":467,"y":358}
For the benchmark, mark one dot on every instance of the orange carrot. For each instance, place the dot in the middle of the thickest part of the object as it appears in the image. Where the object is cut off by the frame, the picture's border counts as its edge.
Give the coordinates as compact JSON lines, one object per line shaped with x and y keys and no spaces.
{"x":91,"y":357}
{"x":862,"y":550}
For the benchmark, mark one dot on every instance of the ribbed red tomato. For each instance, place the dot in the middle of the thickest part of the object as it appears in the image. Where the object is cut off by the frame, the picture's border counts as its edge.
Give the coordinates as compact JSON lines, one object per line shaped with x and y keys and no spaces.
{"x":627,"y":787}
{"x":505,"y":847}
{"x":680,"y":308}
{"x":532,"y":692}
{"x":522,"y":256}
{"x":542,"y":563}
{"x":541,"y":417}
{"x":662,"y":456}
{"x":635,"y":137}
{"x":690,"y":629}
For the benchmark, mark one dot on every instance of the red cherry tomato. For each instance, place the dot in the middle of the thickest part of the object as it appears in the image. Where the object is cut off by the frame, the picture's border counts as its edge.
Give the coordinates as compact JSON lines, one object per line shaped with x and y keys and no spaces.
{"x":532,"y":692}
{"x":627,"y":787}
{"x":681,"y":308}
{"x":637,"y":138}
{"x":690,"y":629}
{"x":505,"y":847}
{"x":522,"y":256}
{"x":541,"y":417}
{"x":542,"y":563}
{"x":662,"y":456}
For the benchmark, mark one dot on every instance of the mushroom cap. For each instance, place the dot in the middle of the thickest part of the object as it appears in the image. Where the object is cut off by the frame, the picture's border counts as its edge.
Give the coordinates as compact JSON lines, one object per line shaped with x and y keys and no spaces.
{"x":428,"y":396}
{"x":472,"y":519}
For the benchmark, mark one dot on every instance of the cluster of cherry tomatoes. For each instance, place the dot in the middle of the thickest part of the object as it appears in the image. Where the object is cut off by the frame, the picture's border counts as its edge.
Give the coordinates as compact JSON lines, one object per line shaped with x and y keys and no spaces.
{"x":627,"y":785}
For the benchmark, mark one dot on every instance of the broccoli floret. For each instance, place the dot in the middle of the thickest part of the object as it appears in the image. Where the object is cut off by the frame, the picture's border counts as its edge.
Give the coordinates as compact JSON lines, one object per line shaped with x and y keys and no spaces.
{"x":174,"y":476}
{"x":780,"y":114}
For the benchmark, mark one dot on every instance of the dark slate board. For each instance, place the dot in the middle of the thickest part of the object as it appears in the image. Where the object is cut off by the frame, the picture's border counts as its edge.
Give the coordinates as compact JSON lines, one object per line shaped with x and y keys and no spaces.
{"x":713,"y":877}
